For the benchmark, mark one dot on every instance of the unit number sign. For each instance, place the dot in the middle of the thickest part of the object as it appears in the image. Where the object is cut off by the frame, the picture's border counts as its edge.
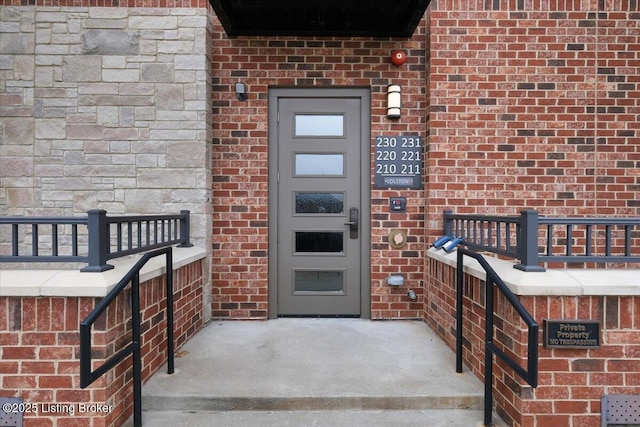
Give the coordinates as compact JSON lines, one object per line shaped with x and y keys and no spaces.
{"x":398,"y":162}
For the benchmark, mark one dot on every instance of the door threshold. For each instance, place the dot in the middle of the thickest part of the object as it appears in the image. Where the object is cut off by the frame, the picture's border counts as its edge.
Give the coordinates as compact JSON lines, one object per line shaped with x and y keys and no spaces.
{"x":319,"y":316}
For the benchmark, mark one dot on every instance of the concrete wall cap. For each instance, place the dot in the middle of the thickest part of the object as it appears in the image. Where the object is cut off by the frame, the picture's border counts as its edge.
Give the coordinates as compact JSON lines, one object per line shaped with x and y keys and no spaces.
{"x":553,"y":282}
{"x":73,"y":283}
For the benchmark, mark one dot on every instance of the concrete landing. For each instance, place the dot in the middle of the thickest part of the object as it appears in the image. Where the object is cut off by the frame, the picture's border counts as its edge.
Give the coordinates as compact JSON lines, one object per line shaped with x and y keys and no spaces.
{"x":314,"y":372}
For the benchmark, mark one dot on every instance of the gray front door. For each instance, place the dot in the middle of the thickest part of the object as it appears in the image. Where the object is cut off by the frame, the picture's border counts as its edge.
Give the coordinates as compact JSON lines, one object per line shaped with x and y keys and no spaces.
{"x":317,"y":162}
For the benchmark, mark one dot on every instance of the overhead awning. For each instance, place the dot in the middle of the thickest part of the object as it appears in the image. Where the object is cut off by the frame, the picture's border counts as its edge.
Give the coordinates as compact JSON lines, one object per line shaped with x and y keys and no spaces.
{"x":351,"y":18}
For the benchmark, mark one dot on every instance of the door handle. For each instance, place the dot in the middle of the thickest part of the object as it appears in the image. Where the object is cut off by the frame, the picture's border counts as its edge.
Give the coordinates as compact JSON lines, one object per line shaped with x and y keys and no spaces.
{"x":353,"y":222}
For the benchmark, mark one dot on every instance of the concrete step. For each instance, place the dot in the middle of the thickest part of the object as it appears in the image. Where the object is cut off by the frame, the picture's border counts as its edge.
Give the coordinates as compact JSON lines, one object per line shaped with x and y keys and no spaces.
{"x":326,"y":403}
{"x":424,"y":418}
{"x":314,"y":372}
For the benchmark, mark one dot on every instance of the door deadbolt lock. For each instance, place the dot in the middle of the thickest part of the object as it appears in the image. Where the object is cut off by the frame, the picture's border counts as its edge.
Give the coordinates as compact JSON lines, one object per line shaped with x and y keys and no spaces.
{"x":353,"y":223}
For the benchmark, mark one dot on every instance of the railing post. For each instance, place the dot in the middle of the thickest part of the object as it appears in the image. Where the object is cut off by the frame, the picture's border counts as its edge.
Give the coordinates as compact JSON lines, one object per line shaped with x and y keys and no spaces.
{"x":185,"y":230}
{"x":528,"y":242}
{"x":98,"y":242}
{"x":448,"y":222}
{"x":136,"y":338}
{"x":488,"y":354}
{"x":170,"y":321}
{"x":459,"y":308}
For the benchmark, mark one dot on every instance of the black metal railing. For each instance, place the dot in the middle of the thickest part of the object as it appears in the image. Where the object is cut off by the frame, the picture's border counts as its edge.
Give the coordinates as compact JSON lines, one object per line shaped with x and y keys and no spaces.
{"x":89,"y":375}
{"x":530,"y":374}
{"x":24,"y":225}
{"x":93,"y":239}
{"x":534,"y":239}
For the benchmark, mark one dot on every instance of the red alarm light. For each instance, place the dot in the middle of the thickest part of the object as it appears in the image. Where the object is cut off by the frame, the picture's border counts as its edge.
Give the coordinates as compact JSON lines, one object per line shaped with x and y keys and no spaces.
{"x":398,"y":57}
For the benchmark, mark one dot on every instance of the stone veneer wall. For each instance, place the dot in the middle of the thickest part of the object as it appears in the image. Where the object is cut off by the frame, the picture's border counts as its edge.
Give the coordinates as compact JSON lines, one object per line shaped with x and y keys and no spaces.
{"x":101,"y":108}
{"x":105,"y":108}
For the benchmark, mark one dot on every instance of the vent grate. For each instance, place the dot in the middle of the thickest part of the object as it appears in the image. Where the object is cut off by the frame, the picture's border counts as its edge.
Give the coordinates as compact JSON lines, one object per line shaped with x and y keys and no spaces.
{"x":621,"y":410}
{"x":10,"y":418}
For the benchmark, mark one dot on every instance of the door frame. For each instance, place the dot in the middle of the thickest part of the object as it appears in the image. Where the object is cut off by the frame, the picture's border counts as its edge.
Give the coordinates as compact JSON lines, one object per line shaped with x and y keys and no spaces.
{"x":364,"y":94}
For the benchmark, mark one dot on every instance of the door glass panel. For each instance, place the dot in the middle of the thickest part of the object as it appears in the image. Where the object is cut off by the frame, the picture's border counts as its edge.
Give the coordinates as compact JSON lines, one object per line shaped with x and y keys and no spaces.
{"x":313,"y":203}
{"x":319,"y":281}
{"x":319,"y":241}
{"x":319,"y":125}
{"x":319,"y":164}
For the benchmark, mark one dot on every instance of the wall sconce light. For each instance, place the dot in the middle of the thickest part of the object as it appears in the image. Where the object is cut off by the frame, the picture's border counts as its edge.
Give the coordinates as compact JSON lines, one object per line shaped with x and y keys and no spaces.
{"x":393,"y":101}
{"x":241,"y":91}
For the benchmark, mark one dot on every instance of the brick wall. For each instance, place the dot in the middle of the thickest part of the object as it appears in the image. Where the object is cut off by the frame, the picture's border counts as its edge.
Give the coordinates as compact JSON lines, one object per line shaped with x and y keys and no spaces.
{"x":571,"y":381}
{"x":534,"y":105}
{"x":39,"y":349}
{"x":240,"y":163}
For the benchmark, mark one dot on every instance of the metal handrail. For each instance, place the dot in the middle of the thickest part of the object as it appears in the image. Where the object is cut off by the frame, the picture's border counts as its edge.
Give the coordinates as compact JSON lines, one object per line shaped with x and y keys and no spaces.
{"x":518,"y":237}
{"x":130,"y":235}
{"x":87,"y":374}
{"x":530,"y":375}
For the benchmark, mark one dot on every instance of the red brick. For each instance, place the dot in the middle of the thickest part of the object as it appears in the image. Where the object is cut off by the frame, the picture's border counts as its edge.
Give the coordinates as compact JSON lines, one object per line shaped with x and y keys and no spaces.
{"x":28,"y":314}
{"x":18,"y":353}
{"x":38,"y":338}
{"x":56,"y":381}
{"x":68,"y":367}
{"x":19,"y":381}
{"x":623,"y":337}
{"x":58,"y":314}
{"x":570,"y":378}
{"x":4,"y":314}
{"x":584,"y":393}
{"x":623,"y":366}
{"x":632,"y":379}
{"x":586,"y":420}
{"x":550,"y":365}
{"x":606,"y":378}
{"x":8,"y":368}
{"x":631,"y":390}
{"x":537,"y":406}
{"x":8,"y":338}
{"x":75,"y":421}
{"x":570,"y":406}
{"x":38,"y":367}
{"x":548,"y":392}
{"x":55,"y":353}
{"x":588,"y":365}
{"x":552,"y":420}
{"x":71,"y":314}
{"x":38,"y":422}
{"x":72,"y":396}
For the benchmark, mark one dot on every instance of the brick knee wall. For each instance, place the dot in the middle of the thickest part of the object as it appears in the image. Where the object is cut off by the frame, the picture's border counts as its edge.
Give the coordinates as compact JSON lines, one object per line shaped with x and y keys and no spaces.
{"x":571,"y":381}
{"x":39,"y":349}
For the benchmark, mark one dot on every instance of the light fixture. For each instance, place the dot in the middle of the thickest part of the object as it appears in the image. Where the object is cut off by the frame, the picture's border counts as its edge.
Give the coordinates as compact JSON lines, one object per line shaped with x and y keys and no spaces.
{"x":395,"y":280}
{"x":393,"y":101}
{"x":241,"y":91}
